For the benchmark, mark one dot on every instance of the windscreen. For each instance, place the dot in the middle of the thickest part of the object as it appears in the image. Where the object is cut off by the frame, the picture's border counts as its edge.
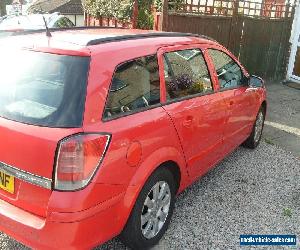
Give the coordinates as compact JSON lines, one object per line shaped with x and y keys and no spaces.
{"x":43,"y":89}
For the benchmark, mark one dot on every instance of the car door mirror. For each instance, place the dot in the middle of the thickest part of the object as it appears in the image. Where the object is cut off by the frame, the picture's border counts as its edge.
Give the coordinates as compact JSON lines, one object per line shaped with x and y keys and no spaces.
{"x":256,"y":81}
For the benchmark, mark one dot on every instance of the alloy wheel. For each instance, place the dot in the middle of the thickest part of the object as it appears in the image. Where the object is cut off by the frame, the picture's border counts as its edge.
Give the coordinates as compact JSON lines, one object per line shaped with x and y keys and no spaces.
{"x":155,"y":209}
{"x":258,"y":126}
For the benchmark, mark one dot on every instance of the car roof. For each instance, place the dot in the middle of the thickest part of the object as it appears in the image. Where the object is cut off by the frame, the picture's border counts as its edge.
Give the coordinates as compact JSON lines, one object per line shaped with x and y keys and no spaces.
{"x":89,"y":40}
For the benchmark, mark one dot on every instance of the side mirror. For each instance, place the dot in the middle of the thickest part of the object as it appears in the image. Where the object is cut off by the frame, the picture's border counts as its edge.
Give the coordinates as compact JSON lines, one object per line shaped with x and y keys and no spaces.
{"x":256,"y":82}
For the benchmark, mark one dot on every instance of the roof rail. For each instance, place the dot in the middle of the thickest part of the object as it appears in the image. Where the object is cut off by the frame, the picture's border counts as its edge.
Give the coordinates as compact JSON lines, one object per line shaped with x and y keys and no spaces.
{"x":145,"y":35}
{"x":117,"y":38}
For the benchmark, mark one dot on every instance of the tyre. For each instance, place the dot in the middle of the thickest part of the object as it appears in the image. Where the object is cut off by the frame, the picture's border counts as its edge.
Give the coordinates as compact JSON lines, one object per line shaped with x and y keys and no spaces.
{"x":255,"y":136}
{"x":152,"y":211}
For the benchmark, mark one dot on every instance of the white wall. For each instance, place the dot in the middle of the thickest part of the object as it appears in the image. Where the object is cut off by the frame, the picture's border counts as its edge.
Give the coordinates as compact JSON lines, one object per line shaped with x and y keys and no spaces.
{"x":295,"y":41}
{"x":78,"y":20}
{"x":296,"y":25}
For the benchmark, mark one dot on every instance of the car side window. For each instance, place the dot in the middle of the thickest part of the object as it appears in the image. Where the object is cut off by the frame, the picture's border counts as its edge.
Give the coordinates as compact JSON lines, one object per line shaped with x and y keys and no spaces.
{"x":229,"y":72}
{"x":186,"y":74}
{"x":135,"y":85}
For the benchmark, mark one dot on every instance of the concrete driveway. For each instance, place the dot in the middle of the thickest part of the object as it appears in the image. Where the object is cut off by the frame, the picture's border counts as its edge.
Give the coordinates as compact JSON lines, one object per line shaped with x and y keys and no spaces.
{"x":250,"y":192}
{"x":282,"y":126}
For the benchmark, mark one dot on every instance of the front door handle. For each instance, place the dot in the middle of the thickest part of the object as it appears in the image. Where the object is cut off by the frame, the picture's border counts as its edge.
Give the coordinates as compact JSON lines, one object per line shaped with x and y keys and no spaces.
{"x":231,"y":103}
{"x":188,"y":121}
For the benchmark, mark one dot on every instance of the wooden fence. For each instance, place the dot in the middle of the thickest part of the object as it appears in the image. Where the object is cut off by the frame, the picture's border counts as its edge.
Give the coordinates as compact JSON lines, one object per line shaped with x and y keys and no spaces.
{"x":106,"y":22}
{"x":257,"y":33}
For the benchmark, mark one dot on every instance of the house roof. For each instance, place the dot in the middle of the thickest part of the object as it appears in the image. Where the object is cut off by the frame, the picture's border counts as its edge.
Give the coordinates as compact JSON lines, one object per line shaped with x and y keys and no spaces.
{"x":62,"y":6}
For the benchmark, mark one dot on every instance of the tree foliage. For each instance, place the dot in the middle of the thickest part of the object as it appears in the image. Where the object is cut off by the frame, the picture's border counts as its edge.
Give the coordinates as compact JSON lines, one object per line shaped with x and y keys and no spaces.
{"x":121,"y":9}
{"x":145,"y":15}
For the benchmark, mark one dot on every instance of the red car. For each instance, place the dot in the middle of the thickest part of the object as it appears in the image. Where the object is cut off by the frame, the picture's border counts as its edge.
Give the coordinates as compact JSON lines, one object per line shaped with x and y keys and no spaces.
{"x":100,"y":129}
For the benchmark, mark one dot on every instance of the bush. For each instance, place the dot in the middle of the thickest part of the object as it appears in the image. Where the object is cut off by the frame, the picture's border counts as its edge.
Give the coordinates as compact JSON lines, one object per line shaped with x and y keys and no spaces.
{"x":122,"y":10}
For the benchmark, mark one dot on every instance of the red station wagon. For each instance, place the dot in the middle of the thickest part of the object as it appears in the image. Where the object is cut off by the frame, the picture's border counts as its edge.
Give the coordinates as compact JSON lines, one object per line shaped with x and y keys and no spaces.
{"x":100,"y":129}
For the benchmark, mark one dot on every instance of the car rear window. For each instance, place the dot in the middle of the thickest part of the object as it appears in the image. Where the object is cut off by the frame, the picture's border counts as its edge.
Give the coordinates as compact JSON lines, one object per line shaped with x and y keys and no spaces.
{"x":43,"y":89}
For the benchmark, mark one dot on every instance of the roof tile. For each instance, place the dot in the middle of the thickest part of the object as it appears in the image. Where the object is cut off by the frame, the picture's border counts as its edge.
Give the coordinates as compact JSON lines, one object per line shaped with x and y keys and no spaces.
{"x":62,"y":6}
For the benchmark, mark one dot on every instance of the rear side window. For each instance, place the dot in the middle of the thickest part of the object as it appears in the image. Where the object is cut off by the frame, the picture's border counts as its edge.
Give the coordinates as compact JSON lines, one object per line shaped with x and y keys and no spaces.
{"x":43,"y":89}
{"x":186,"y":74}
{"x":135,"y":86}
{"x":229,"y":72}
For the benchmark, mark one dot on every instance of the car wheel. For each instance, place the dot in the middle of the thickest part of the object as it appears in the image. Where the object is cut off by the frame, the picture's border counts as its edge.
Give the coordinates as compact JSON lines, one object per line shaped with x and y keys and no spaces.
{"x":255,"y":136}
{"x":152,"y":211}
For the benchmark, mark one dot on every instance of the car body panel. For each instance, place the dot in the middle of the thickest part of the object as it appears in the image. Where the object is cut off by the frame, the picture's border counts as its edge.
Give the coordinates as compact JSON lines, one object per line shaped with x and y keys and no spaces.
{"x":82,"y":219}
{"x":241,"y":108}
{"x":193,"y":119}
{"x":153,"y":131}
{"x":30,"y":149}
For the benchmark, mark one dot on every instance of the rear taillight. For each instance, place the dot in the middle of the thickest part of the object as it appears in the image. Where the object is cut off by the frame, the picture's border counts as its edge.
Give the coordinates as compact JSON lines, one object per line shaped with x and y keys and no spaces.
{"x":78,"y":158}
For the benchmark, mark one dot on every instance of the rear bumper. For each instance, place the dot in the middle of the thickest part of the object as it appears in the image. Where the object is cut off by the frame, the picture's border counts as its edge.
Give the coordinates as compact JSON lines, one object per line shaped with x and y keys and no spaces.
{"x":81,"y":230}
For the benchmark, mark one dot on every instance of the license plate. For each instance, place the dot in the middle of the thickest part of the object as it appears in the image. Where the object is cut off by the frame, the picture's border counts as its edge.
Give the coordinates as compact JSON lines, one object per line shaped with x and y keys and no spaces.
{"x":7,"y":182}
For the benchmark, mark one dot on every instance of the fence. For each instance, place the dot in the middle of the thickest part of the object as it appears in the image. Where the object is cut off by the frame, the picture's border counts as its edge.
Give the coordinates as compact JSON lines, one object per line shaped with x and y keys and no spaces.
{"x":256,"y":32}
{"x":254,"y":8}
{"x":106,"y":22}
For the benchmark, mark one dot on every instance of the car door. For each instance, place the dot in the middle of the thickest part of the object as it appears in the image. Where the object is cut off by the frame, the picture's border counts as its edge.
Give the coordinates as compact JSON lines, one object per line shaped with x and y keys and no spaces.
{"x":240,"y":101}
{"x":197,"y":111}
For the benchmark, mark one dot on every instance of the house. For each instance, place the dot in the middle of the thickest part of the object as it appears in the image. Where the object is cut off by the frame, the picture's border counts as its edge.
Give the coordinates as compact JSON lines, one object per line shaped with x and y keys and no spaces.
{"x":16,"y":7}
{"x":70,"y":8}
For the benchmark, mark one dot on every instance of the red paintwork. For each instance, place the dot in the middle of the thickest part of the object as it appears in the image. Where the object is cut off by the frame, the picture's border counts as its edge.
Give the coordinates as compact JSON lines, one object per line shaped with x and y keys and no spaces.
{"x":195,"y":134}
{"x":134,"y":154}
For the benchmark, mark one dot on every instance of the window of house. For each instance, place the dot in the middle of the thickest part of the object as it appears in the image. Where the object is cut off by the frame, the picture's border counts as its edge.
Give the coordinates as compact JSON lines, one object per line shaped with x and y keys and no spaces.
{"x":135,"y":85}
{"x":186,"y":74}
{"x":229,"y":72}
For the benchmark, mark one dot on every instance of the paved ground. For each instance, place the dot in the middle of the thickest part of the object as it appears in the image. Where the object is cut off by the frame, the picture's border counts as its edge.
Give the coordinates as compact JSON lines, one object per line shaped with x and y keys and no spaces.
{"x":249,"y":192}
{"x":254,"y":192}
{"x":283,"y":118}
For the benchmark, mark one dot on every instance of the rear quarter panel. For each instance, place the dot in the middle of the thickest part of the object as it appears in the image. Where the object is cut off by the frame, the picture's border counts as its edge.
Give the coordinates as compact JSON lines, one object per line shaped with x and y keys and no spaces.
{"x":155,"y":133}
{"x":152,"y":129}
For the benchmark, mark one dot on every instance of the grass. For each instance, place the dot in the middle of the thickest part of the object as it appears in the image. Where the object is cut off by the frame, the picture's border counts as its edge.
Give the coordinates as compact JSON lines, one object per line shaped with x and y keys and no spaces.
{"x":269,"y":141}
{"x":287,"y":212}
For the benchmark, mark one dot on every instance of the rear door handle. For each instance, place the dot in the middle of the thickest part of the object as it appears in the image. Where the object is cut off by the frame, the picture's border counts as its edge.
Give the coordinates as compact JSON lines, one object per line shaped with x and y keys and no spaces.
{"x":188,"y":121}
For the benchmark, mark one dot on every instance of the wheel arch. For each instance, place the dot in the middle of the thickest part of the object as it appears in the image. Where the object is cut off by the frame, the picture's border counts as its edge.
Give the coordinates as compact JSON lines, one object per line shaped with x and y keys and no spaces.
{"x":169,"y":158}
{"x":264,"y":106}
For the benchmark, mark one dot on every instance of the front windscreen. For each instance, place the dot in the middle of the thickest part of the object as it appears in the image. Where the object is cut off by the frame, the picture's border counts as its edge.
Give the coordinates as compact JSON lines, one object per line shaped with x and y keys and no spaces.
{"x":43,"y":89}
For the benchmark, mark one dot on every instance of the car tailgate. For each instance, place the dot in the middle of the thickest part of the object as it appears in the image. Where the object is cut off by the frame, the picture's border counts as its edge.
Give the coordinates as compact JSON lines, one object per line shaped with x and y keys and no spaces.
{"x":29,"y":151}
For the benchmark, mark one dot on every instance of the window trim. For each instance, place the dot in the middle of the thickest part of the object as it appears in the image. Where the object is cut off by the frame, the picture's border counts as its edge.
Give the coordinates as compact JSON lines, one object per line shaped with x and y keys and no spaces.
{"x":244,"y":72}
{"x":132,"y":112}
{"x":173,"y":49}
{"x":188,"y":97}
